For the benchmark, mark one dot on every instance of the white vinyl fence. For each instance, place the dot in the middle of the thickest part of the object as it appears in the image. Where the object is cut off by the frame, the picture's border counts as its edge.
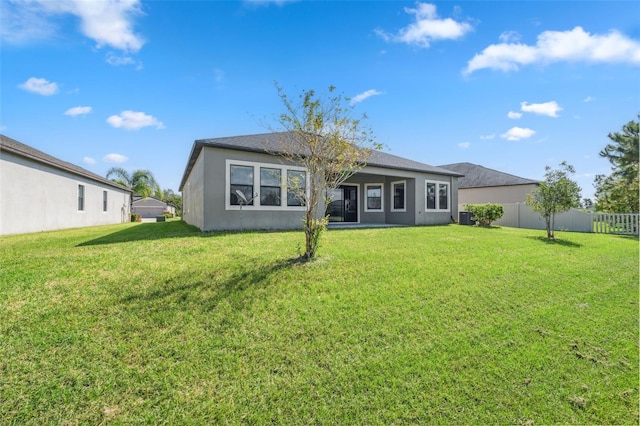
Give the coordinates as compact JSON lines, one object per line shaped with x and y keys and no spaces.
{"x":519,"y":215}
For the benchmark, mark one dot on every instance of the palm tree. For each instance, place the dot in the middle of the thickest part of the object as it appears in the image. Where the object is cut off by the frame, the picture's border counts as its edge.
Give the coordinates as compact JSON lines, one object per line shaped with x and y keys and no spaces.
{"x":141,"y":182}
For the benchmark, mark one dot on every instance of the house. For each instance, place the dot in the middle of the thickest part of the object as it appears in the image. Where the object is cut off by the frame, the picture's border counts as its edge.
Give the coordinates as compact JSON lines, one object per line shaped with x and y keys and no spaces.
{"x":389,"y":190}
{"x":39,"y":192}
{"x":482,"y":185}
{"x":148,"y":207}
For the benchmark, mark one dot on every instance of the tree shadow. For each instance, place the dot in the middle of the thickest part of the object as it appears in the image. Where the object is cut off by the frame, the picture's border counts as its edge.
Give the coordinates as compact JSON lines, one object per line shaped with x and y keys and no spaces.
{"x":146,"y":232}
{"x":213,"y":289}
{"x":150,"y":231}
{"x":555,"y":241}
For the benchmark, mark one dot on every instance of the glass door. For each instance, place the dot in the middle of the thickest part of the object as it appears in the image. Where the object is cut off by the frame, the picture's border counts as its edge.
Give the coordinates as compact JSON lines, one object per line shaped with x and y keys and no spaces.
{"x":344,"y":204}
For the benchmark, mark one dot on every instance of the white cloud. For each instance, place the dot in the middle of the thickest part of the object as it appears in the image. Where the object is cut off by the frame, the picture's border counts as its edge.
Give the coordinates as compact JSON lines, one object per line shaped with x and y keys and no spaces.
{"x":488,"y":137}
{"x":268,"y":2}
{"x":88,"y":160}
{"x":550,"y":109}
{"x":79,"y":110}
{"x":510,"y":36}
{"x":40,"y":86}
{"x":22,"y":23}
{"x":364,"y":95}
{"x":514,"y":115}
{"x":107,"y":22}
{"x":464,"y":145}
{"x":122,"y":60}
{"x":517,"y":133}
{"x":557,"y":46}
{"x":133,"y":120}
{"x":115,"y":158}
{"x":427,"y":27}
{"x":589,"y":99}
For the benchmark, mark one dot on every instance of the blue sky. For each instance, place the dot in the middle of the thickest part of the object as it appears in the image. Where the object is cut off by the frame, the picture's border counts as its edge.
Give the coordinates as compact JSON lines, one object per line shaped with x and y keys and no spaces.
{"x":513,"y":86}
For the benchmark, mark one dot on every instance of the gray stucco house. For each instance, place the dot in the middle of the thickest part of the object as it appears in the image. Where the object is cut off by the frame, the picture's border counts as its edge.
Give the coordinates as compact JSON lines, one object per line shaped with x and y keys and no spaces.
{"x":150,"y":207}
{"x":481,"y":185}
{"x":389,"y":190}
{"x":39,"y":192}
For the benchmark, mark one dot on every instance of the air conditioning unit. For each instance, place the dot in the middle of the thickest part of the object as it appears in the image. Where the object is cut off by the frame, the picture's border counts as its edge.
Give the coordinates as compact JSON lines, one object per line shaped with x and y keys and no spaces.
{"x":465,"y":219}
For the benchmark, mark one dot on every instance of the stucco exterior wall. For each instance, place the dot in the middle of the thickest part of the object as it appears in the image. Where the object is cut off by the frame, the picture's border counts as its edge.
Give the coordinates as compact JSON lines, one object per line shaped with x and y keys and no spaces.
{"x":216,"y":214}
{"x":37,"y":197}
{"x":206,"y":206}
{"x":193,"y":195}
{"x":150,"y":207}
{"x":495,"y":194}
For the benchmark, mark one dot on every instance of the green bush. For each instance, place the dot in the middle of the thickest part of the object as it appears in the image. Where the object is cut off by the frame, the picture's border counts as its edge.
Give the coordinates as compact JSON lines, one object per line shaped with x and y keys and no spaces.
{"x":168,"y":215}
{"x":136,"y":217}
{"x":484,"y":214}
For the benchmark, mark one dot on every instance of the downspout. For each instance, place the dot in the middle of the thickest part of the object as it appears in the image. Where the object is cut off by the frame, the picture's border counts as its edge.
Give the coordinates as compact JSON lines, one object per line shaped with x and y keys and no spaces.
{"x":451,"y":186}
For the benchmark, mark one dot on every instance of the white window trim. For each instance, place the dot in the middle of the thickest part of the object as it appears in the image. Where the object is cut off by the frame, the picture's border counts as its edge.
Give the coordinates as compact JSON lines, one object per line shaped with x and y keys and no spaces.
{"x":437,"y":183}
{"x":256,"y":186}
{"x":366,"y":197}
{"x":392,"y":196}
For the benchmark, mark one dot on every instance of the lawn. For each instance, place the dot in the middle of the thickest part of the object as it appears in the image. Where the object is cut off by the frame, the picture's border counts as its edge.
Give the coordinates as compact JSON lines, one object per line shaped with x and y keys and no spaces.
{"x":159,"y":323}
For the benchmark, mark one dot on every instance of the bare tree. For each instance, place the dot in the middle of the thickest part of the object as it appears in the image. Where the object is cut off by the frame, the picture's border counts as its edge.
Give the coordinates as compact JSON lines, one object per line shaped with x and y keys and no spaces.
{"x":322,"y":135}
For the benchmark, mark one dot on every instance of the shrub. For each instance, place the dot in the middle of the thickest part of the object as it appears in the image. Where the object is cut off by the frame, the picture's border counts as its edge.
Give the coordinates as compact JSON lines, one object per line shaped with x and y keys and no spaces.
{"x":136,"y":217}
{"x":484,"y":214}
{"x":168,"y":215}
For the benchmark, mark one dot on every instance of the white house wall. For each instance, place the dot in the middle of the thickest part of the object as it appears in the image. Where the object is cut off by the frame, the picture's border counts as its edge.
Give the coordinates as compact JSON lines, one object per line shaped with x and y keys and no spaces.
{"x":36,"y":197}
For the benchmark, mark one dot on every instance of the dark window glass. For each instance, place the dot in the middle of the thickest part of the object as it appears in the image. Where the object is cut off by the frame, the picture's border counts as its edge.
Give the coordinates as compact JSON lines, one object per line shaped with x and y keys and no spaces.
{"x":80,"y":197}
{"x":444,"y":197}
{"x":104,"y":201}
{"x":374,"y":197}
{"x":431,"y":196}
{"x":398,"y":196}
{"x":241,"y":178}
{"x":270,"y":180}
{"x":296,"y":187}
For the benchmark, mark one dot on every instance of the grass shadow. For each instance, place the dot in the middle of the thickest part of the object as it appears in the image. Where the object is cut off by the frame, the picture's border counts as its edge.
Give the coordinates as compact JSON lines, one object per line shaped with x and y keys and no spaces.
{"x":555,"y":241}
{"x":250,"y":277}
{"x":150,"y":231}
{"x":146,"y":232}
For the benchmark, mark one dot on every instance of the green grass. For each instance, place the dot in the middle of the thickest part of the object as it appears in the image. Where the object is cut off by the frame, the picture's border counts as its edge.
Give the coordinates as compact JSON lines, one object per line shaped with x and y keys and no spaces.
{"x":158,"y":323}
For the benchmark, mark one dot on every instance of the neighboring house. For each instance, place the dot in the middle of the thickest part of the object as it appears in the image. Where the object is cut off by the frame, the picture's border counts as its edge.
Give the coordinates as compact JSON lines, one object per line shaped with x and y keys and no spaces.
{"x":389,"y":190}
{"x":481,"y":185}
{"x":39,"y":192}
{"x":150,"y":207}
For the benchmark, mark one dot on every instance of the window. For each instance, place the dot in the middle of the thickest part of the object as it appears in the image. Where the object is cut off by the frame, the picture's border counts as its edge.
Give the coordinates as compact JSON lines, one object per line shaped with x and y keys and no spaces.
{"x":80,"y":197}
{"x":241,"y":179}
{"x":431,"y":196}
{"x":104,"y":201}
{"x":374,"y":197}
{"x":443,"y":197}
{"x":398,"y":189}
{"x":437,"y":196}
{"x":270,"y":181}
{"x":266,"y":186}
{"x":296,"y":183}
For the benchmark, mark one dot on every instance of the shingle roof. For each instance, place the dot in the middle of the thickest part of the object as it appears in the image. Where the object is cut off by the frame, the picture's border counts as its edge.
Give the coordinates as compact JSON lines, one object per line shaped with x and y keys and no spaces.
{"x":269,"y":142}
{"x":476,"y":176}
{"x":18,"y":148}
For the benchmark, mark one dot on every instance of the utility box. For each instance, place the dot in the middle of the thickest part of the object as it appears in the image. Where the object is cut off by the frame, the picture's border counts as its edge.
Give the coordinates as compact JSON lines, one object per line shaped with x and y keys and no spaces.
{"x":160,"y":218}
{"x":465,"y":219}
